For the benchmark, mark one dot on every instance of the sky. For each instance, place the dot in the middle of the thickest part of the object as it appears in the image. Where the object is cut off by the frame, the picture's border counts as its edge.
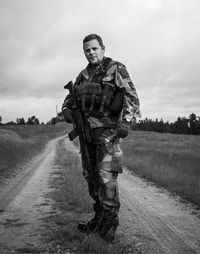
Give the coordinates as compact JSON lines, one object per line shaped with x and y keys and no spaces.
{"x":41,"y":51}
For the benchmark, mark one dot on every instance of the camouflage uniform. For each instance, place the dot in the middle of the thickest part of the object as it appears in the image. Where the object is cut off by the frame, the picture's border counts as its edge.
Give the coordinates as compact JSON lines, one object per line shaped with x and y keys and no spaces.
{"x":103,"y":105}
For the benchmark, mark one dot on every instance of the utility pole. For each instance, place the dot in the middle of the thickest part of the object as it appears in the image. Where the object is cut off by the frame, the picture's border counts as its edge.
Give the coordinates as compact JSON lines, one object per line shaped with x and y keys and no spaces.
{"x":56,"y":110}
{"x":56,"y":113}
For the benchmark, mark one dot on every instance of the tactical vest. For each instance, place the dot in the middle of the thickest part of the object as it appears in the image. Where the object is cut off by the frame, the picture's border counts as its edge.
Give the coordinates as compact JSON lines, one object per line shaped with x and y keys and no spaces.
{"x":97,"y":94}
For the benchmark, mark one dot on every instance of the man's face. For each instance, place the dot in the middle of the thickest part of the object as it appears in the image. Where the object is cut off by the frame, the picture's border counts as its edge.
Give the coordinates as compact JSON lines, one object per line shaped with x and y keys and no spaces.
{"x":93,"y":51}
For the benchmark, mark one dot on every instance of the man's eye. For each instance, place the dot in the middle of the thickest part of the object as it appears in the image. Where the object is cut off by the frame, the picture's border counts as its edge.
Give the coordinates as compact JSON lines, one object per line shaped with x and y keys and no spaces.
{"x":94,"y":49}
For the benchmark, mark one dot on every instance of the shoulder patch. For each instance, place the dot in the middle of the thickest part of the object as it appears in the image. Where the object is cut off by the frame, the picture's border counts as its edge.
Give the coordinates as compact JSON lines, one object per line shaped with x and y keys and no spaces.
{"x":124,"y":73}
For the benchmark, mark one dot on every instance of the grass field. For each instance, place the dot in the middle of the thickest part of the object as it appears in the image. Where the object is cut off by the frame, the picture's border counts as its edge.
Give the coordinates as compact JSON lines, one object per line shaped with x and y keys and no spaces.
{"x":20,"y":143}
{"x":171,"y":161}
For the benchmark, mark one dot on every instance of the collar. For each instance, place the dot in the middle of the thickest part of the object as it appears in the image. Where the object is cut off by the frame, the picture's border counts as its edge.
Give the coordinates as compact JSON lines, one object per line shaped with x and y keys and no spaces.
{"x":101,"y":65}
{"x":84,"y":72}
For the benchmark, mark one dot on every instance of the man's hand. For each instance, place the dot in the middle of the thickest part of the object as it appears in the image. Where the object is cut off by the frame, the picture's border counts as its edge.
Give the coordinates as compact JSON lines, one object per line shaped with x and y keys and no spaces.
{"x":67,"y":113}
{"x":123,"y":129}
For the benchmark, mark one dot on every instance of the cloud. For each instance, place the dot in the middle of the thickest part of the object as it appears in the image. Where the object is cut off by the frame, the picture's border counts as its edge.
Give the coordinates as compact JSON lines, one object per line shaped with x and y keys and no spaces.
{"x":158,"y":41}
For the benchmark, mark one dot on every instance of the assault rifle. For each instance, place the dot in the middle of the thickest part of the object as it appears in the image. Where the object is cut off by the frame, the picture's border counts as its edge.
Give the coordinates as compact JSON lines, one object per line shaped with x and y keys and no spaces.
{"x":81,"y":127}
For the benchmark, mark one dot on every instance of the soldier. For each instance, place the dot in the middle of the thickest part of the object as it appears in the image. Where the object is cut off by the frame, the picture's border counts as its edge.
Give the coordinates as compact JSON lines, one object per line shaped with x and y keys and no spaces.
{"x":109,"y":101}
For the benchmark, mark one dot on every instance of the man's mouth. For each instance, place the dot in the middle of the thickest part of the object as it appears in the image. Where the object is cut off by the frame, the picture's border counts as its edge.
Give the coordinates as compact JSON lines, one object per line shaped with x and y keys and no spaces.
{"x":93,"y":58}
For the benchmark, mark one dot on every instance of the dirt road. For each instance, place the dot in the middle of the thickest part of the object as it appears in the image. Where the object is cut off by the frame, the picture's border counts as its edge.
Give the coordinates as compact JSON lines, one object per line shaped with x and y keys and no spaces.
{"x":149,"y":217}
{"x":23,"y":204}
{"x":158,"y":222}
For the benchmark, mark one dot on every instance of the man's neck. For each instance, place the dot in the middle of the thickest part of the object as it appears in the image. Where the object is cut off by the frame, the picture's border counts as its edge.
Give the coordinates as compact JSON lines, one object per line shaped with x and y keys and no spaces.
{"x":95,"y":66}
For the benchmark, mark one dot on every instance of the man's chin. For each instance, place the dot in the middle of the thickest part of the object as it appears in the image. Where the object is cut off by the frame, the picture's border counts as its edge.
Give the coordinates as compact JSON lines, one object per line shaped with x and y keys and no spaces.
{"x":94,"y":62}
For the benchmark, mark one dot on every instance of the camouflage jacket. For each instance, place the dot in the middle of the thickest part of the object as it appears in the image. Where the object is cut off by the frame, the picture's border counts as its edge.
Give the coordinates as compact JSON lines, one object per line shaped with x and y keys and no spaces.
{"x":115,"y":74}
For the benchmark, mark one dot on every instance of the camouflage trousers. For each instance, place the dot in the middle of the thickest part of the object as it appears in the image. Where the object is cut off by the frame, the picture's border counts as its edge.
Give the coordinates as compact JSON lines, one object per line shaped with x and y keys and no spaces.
{"x":106,"y":159}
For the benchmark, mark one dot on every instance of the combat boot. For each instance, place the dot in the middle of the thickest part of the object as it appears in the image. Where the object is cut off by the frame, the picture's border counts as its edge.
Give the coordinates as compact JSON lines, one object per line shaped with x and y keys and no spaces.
{"x":91,"y":225}
{"x":107,"y":226}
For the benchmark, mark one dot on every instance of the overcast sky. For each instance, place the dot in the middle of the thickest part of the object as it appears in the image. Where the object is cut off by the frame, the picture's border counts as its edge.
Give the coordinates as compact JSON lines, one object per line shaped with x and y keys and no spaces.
{"x":41,"y":50}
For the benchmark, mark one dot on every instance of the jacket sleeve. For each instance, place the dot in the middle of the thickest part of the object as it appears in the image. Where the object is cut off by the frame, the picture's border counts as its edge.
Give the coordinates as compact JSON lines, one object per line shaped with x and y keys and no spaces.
{"x":131,"y":104}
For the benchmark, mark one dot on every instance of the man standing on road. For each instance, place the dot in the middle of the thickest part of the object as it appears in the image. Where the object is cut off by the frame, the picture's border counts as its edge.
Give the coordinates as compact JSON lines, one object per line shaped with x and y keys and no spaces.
{"x":109,"y":102}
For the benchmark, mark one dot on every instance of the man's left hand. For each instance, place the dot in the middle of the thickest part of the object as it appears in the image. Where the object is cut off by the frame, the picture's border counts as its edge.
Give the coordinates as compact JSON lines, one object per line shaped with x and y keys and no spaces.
{"x":123,"y":129}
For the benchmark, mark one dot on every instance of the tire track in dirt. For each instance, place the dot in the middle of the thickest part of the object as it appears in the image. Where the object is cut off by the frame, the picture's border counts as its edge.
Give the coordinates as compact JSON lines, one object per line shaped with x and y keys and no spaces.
{"x":154,"y":221}
{"x":23,"y":205}
{"x":9,"y":192}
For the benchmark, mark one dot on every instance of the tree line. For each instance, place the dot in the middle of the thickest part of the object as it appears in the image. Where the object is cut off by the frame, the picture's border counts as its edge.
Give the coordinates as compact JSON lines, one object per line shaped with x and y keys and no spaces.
{"x":182,"y":125}
{"x":33,"y":120}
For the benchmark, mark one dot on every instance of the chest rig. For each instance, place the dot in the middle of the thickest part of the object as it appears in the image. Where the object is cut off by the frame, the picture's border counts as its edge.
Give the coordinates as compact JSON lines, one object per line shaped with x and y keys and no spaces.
{"x":96,"y":93}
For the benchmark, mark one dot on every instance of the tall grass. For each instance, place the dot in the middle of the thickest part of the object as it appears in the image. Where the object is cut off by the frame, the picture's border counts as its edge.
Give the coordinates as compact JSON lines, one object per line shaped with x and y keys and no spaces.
{"x":20,"y":143}
{"x":171,"y":161}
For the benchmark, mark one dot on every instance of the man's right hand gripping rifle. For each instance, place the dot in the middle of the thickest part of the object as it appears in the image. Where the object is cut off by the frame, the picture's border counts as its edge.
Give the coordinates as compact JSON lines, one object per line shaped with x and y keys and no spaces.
{"x":81,"y":126}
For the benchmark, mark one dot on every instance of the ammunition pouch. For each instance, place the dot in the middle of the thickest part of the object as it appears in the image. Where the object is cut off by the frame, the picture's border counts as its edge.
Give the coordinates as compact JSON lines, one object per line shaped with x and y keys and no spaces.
{"x":99,"y":96}
{"x":89,"y":95}
{"x":117,"y":104}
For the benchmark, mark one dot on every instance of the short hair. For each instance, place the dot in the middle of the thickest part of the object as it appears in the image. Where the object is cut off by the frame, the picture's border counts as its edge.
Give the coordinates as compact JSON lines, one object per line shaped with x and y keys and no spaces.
{"x":93,"y":37}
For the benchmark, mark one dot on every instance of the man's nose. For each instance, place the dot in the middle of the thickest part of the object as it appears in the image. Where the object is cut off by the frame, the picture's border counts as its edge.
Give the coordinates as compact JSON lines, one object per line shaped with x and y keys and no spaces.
{"x":91,"y":51}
